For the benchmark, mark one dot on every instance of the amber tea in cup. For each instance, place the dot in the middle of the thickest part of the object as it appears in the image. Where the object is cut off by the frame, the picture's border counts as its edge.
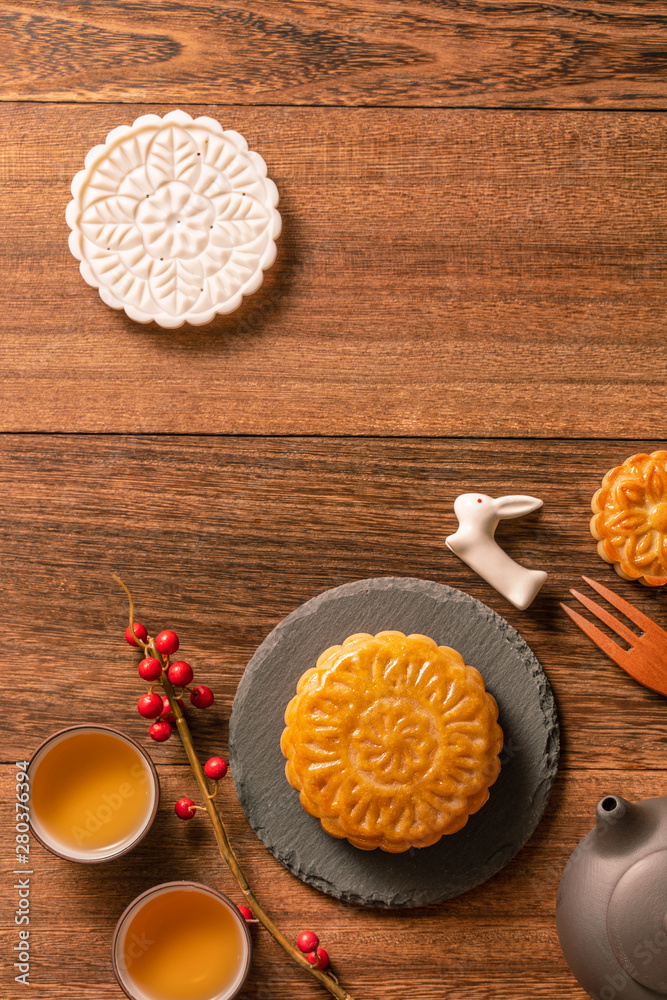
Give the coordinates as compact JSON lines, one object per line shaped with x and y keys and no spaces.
{"x":93,"y":793}
{"x":181,"y":941}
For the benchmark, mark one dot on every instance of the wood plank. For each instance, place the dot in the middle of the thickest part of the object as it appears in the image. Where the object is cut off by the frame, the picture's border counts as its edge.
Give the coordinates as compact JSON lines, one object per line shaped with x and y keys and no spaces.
{"x":440,"y":272}
{"x":490,"y":53}
{"x":221,"y":538}
{"x":497,"y":941}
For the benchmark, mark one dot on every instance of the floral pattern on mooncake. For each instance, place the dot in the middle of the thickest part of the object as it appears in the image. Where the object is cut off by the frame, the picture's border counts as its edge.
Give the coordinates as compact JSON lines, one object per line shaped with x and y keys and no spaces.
{"x":391,"y":741}
{"x":630,"y":518}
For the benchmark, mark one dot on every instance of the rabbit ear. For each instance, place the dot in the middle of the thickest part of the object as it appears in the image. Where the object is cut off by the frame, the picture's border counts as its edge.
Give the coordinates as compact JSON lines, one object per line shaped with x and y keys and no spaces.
{"x":516,"y":505}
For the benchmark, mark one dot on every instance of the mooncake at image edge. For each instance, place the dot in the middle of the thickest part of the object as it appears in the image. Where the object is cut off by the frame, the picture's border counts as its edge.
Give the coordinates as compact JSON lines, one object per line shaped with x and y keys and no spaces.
{"x":630,"y":518}
{"x":391,"y":741}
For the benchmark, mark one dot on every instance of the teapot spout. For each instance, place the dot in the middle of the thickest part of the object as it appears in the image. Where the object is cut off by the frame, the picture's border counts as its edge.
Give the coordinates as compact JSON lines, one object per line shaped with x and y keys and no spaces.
{"x":621,"y":825}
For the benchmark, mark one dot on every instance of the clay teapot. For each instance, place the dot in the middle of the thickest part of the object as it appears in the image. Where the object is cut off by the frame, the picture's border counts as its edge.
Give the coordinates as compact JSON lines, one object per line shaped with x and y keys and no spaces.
{"x":611,"y":910}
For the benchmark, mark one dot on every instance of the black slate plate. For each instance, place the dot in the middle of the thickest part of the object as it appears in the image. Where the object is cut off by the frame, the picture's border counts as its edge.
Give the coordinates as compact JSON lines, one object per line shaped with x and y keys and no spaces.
{"x":490,"y":838}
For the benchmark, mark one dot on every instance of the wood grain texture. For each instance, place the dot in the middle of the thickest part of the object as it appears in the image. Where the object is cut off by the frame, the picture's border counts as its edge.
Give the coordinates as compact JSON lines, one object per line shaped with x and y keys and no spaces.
{"x":219,"y":538}
{"x":497,"y":942}
{"x":454,"y":269}
{"x":493,"y":53}
{"x":440,"y":273}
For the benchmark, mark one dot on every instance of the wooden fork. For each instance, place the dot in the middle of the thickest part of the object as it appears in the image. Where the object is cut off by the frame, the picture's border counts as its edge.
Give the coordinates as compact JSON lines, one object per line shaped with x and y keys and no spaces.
{"x":646,"y":660}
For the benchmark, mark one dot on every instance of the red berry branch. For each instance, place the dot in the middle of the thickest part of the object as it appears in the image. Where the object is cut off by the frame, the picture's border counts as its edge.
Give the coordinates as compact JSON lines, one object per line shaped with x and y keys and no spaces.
{"x":167,"y":710}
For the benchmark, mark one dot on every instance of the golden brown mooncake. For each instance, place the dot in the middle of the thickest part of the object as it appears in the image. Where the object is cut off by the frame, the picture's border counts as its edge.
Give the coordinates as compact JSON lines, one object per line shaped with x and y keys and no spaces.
{"x":391,"y":741}
{"x":630,"y":518}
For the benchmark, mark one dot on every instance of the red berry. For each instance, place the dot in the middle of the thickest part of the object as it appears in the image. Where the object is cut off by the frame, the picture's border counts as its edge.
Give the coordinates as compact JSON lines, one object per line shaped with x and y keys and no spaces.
{"x":160,"y":731}
{"x":318,"y":958}
{"x":185,"y":808}
{"x":167,"y":642}
{"x":179,"y":702}
{"x":180,"y":673}
{"x":216,"y":768}
{"x":167,"y":714}
{"x":140,"y":633}
{"x":150,"y":706}
{"x":150,"y":669}
{"x":246,"y":913}
{"x":307,"y":941}
{"x":201,"y":696}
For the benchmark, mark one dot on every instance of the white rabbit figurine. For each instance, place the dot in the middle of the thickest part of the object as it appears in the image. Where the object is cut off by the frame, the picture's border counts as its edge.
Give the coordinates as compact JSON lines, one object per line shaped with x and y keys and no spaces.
{"x":474,"y":543}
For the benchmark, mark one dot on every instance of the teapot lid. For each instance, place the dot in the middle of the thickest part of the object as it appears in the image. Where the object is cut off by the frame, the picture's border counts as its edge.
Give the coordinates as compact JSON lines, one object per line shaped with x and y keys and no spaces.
{"x":637,"y":921}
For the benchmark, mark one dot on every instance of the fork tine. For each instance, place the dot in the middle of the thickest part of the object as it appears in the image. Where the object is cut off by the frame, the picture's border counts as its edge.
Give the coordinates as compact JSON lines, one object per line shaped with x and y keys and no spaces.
{"x":606,"y":644}
{"x":628,"y":610}
{"x":604,"y":616}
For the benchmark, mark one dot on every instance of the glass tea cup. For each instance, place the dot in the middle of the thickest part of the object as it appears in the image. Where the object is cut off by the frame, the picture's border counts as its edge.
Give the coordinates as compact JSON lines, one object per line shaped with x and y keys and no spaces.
{"x":181,"y":941}
{"x":94,"y":793}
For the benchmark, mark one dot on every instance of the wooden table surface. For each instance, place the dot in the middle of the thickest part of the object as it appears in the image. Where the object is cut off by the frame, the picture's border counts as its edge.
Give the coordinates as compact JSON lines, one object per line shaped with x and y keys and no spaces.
{"x":468,"y":294}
